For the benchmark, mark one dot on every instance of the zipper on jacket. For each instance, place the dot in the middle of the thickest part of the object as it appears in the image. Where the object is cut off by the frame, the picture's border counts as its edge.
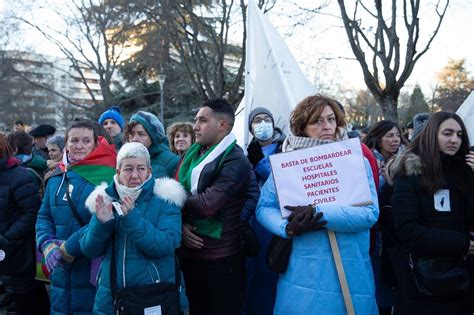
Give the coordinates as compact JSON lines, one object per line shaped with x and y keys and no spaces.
{"x":123,"y":260}
{"x":61,"y":184}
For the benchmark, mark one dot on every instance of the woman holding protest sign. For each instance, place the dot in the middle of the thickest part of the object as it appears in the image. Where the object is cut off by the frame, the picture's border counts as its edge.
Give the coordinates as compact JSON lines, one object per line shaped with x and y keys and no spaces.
{"x":432,"y":203}
{"x":310,"y":283}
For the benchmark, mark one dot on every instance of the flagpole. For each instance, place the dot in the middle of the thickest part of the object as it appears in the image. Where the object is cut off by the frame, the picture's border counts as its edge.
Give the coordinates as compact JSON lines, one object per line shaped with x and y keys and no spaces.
{"x":248,"y":85}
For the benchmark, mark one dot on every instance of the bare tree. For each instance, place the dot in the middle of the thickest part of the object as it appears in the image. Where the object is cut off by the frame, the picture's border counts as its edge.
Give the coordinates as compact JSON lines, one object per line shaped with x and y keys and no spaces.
{"x":195,"y":36}
{"x":386,"y":66}
{"x":92,"y":37}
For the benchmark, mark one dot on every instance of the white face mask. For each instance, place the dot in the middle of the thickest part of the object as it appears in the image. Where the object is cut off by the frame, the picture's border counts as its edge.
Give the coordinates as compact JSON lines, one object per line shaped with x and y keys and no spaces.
{"x":263,"y":131}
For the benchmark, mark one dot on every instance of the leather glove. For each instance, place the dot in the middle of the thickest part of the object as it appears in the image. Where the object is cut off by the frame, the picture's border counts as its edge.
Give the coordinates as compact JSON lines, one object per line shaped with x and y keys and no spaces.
{"x":254,"y":153}
{"x":304,"y":222}
{"x":299,"y":210}
{"x":52,"y":254}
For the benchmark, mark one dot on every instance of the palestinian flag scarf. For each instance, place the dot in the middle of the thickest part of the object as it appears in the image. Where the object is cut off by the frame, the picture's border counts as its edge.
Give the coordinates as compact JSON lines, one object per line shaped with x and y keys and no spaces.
{"x":190,"y":172}
{"x":99,"y":165}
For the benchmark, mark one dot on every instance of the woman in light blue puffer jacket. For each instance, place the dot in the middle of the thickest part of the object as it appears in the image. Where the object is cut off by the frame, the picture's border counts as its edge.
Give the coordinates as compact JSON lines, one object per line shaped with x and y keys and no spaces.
{"x":310,"y":284}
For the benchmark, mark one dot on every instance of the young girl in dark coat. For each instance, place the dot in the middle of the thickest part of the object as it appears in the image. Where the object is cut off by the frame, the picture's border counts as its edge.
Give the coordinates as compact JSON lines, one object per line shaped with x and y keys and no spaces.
{"x":432,"y":203}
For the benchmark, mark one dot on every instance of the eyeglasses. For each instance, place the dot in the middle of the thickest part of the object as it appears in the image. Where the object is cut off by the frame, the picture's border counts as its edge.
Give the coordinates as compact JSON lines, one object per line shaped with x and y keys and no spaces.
{"x":330,"y":120}
{"x":259,"y":120}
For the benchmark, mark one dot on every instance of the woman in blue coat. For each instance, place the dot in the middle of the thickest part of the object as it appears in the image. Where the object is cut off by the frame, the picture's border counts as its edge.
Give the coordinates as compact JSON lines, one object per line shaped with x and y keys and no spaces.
{"x":145,"y":236}
{"x":58,"y":227}
{"x":310,"y":284}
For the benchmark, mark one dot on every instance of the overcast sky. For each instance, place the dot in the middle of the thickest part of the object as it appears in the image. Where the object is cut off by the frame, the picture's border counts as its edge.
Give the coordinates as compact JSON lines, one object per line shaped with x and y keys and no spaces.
{"x":321,"y":47}
{"x":324,"y":37}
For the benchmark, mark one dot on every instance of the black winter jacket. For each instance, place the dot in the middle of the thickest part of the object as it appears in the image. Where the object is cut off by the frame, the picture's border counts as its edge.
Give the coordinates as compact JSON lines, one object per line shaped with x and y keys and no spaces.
{"x":222,"y":193}
{"x":19,"y":204}
{"x":424,"y":231}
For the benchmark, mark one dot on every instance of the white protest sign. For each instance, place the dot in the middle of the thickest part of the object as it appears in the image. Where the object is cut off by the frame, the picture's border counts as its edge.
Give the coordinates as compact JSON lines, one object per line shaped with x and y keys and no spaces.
{"x":331,"y":173}
{"x":466,"y":112}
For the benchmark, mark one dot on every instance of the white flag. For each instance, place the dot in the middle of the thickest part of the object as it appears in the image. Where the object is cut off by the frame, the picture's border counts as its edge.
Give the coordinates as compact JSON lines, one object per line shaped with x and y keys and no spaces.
{"x":273,"y":78}
{"x":466,"y":112}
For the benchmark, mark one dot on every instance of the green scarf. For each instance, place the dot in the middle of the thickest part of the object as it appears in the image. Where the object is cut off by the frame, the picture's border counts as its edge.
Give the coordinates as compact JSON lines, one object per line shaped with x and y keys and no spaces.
{"x":211,"y":227}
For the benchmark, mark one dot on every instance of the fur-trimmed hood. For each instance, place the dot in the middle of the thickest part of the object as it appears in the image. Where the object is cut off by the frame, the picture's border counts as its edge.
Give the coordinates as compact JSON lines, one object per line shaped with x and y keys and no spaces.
{"x":408,"y":164}
{"x":165,"y":188}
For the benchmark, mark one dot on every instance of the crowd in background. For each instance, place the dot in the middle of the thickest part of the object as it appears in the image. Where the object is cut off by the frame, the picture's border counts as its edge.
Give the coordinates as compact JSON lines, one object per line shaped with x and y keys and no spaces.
{"x":115,"y":203}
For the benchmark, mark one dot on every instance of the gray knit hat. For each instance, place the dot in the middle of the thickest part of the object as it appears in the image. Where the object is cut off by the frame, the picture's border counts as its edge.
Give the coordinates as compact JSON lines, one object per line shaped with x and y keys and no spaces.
{"x":152,"y":125}
{"x":419,"y":122}
{"x":259,"y":110}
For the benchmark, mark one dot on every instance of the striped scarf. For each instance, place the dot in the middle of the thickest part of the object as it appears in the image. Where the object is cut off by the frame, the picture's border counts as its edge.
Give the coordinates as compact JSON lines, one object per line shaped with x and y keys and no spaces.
{"x":295,"y":143}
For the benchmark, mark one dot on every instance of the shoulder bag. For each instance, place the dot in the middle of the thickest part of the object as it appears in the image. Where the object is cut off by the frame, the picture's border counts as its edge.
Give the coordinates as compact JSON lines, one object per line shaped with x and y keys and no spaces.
{"x":278,"y":253}
{"x":155,"y":298}
{"x":441,"y":276}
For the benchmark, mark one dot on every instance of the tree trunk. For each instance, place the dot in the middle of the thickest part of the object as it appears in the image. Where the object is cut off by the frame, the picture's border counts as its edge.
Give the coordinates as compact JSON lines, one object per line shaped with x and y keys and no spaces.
{"x":389,"y":107}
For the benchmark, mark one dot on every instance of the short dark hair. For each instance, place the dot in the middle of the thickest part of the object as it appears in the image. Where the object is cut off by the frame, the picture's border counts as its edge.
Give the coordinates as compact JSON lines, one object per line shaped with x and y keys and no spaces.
{"x":222,"y":107}
{"x":87,"y":124}
{"x":20,"y":141}
{"x":19,"y":122}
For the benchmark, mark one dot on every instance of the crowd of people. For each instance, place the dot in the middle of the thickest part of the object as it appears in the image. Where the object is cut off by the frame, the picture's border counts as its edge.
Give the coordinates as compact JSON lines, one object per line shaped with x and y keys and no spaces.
{"x":119,"y":204}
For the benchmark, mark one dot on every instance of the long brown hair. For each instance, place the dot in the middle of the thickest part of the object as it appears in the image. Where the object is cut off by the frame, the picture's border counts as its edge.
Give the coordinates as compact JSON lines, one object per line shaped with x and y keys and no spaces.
{"x":426,"y":146}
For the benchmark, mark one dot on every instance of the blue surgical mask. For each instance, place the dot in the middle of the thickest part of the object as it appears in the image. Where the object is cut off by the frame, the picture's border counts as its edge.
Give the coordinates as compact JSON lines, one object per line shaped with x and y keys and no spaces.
{"x":263,"y":131}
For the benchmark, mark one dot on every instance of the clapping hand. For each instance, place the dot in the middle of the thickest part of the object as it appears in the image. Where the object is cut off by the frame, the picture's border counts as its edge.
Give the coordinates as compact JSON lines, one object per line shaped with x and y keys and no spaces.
{"x":127,"y":205}
{"x":103,"y":211}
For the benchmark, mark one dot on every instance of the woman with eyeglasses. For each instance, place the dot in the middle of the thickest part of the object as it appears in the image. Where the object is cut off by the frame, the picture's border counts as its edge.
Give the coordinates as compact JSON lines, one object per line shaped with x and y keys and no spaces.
{"x":310,"y":283}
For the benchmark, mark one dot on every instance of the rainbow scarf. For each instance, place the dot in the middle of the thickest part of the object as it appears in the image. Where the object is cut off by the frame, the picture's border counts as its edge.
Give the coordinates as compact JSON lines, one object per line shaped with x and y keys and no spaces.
{"x":98,"y":166}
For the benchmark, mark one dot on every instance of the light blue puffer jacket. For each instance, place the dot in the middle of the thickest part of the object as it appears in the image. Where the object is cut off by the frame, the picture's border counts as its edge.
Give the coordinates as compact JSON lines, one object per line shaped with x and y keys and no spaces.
{"x":310,"y":285}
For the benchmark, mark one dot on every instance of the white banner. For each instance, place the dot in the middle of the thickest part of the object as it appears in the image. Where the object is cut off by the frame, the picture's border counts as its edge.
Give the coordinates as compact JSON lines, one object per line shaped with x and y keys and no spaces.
{"x":331,"y":173}
{"x":273,"y":78}
{"x":466,"y":112}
